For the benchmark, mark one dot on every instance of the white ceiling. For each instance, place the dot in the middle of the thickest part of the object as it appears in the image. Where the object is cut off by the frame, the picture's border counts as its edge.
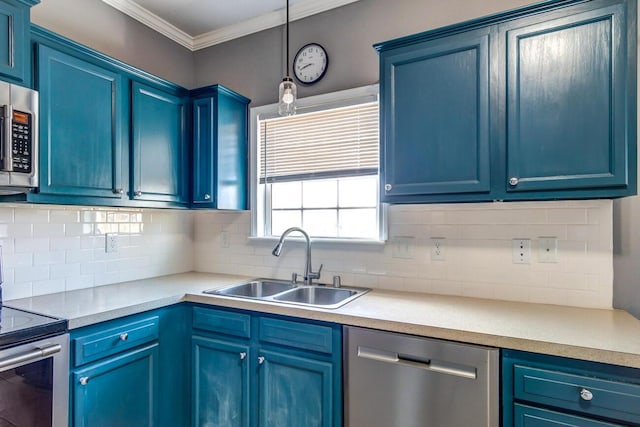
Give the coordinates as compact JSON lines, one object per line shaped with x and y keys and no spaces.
{"x":197,"y":24}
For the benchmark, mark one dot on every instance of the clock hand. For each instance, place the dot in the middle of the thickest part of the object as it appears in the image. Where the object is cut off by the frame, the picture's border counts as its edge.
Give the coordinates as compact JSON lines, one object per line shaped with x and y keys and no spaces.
{"x":305,"y":66}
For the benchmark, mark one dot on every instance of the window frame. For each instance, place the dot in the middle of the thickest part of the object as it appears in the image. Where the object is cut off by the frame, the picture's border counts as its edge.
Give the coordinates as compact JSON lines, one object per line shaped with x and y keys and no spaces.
{"x":309,"y":104}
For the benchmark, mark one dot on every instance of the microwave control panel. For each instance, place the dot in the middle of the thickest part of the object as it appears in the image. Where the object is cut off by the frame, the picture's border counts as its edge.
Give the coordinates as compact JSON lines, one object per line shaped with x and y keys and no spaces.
{"x":21,"y":146}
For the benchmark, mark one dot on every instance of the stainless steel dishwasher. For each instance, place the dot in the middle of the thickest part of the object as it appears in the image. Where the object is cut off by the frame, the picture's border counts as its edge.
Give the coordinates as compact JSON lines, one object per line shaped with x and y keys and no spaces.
{"x":395,"y":380}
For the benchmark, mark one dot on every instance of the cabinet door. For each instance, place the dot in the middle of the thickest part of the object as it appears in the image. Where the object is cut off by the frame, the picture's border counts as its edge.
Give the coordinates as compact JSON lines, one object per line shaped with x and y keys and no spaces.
{"x":159,"y":146}
{"x":568,"y":113}
{"x":14,"y":40}
{"x":118,"y":392}
{"x":220,"y":383}
{"x":220,"y":151}
{"x":435,"y":117}
{"x":81,"y":148}
{"x":204,"y":139}
{"x":294,"y":391}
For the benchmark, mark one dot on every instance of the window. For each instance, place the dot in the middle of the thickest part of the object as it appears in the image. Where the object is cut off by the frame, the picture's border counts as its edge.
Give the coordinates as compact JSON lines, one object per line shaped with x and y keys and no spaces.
{"x":318,"y":169}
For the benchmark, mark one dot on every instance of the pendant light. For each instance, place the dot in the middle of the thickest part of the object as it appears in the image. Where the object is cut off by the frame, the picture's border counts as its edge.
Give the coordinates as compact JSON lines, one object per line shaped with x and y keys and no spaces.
{"x":287,"y":92}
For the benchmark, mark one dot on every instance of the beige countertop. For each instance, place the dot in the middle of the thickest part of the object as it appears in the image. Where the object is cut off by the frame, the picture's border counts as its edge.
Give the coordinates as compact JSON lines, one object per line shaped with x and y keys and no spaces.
{"x":610,"y":336}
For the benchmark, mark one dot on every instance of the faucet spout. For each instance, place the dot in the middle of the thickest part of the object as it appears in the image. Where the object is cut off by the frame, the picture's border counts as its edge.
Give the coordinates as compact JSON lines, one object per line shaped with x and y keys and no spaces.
{"x":309,"y":274}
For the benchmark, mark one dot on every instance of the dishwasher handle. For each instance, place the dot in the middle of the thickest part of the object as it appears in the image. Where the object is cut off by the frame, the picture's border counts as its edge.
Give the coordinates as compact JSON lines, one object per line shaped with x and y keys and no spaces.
{"x":429,"y":365}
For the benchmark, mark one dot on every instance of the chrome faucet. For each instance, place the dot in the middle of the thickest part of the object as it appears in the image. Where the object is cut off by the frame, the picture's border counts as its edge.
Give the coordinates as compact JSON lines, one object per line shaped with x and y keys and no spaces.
{"x":309,"y":275}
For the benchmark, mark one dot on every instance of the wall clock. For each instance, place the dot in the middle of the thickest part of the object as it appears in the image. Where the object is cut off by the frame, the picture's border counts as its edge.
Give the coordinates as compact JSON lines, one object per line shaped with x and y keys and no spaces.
{"x":310,"y":63}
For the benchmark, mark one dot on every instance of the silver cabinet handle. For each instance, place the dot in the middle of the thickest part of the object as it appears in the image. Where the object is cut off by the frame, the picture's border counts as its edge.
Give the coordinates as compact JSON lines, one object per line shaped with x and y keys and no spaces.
{"x":138,"y":193}
{"x":35,"y":354}
{"x":430,"y":365}
{"x":586,"y":394}
{"x":260,"y":360}
{"x":207,"y":196}
{"x":388,"y":187}
{"x":118,"y":191}
{"x":513,"y":181}
{"x":124,"y":336}
{"x":84,"y":381}
{"x":243,"y":355}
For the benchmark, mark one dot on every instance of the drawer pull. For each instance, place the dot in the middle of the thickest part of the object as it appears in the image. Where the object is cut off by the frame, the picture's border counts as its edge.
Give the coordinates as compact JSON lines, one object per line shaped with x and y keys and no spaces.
{"x":84,"y":381}
{"x":243,"y":355}
{"x":124,"y":336}
{"x":586,"y":394}
{"x":260,"y":360}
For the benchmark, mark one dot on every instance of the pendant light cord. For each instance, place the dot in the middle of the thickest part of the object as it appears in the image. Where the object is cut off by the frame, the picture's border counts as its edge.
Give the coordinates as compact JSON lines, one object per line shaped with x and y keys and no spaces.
{"x":286,"y":60}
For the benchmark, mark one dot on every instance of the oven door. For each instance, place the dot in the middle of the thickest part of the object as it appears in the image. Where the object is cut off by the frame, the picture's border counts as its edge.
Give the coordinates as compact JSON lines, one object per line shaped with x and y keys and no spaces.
{"x":34,"y":384}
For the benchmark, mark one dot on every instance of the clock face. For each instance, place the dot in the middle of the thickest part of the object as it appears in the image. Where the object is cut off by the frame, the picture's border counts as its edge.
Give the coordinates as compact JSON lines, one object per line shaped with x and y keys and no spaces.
{"x":310,"y":63}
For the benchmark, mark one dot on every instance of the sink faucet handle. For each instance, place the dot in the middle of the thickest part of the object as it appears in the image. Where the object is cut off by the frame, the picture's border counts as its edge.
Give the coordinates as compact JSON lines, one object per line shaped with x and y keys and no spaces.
{"x":316,"y":275}
{"x":294,"y":278}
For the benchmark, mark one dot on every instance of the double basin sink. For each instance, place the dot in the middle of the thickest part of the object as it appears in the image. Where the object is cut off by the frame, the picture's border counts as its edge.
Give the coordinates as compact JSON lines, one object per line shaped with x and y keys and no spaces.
{"x":283,"y":291}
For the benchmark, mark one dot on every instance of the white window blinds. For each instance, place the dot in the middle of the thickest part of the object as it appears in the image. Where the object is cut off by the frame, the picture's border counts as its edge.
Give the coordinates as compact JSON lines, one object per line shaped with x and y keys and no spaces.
{"x":337,"y":142}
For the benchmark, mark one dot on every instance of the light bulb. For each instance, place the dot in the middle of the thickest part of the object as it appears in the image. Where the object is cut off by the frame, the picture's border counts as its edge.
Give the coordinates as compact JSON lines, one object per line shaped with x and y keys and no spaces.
{"x":287,"y":97}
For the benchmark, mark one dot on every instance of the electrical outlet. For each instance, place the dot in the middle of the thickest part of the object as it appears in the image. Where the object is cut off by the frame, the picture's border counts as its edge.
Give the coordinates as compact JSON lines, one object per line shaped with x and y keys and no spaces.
{"x":111,"y":243}
{"x":437,"y":249}
{"x":521,"y":251}
{"x":225,"y":241}
{"x":548,"y":249}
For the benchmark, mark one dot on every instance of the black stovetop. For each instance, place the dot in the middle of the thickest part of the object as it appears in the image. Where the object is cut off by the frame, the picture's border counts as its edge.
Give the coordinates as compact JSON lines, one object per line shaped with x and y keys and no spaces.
{"x":21,"y":326}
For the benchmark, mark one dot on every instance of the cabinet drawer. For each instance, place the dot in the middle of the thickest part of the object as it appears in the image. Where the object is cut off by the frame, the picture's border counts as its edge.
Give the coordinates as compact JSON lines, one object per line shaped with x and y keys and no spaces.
{"x":89,"y":348}
{"x":299,"y":335}
{"x":580,"y":393}
{"x":528,"y":416}
{"x":222,"y":322}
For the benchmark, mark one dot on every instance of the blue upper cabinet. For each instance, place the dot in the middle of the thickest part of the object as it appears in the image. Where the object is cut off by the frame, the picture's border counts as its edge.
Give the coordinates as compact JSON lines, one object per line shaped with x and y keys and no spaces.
{"x":569,"y":94}
{"x":219,"y":149}
{"x":81,"y":148}
{"x":435,"y":116}
{"x":110,"y":134}
{"x":14,"y":40}
{"x":159,"y":146}
{"x":533,"y":104}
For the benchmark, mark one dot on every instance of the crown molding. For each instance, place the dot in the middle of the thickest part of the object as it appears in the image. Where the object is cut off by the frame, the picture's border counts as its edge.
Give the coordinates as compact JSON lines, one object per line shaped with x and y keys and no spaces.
{"x":241,"y":29}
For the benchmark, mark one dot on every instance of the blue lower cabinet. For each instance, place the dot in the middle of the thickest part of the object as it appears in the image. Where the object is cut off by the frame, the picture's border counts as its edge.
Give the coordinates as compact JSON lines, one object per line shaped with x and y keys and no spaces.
{"x":132,"y":371}
{"x":541,"y":390}
{"x":119,"y":391}
{"x":270,"y":378}
{"x":220,"y":383}
{"x":294,"y":391}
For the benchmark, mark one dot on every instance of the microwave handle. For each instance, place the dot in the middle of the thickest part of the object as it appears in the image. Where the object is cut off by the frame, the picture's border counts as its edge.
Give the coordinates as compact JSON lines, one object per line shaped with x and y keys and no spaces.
{"x":6,"y":157}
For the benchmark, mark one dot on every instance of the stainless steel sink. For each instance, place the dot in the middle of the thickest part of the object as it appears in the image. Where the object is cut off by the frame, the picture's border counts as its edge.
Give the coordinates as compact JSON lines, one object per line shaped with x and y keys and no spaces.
{"x":260,"y":288}
{"x":318,"y":296}
{"x":282,"y":291}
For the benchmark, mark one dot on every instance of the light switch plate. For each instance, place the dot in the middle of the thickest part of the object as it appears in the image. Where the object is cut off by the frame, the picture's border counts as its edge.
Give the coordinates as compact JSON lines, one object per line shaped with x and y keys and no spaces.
{"x":403,"y":247}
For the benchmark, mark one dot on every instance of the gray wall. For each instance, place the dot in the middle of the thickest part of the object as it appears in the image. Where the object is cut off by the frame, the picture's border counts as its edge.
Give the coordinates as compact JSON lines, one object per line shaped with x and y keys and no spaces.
{"x":253,"y":65}
{"x":103,"y":28}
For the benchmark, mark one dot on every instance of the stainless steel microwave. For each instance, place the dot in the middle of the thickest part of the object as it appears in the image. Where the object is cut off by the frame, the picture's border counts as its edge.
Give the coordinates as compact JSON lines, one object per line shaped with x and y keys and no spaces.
{"x":18,"y":139}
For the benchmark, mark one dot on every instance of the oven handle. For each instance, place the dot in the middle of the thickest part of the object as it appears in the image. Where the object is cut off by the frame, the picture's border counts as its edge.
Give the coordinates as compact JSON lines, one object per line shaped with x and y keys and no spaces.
{"x":24,"y":358}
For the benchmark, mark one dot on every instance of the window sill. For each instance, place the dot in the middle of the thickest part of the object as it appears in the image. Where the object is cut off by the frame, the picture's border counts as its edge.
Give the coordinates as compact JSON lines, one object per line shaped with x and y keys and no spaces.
{"x":322,"y":241}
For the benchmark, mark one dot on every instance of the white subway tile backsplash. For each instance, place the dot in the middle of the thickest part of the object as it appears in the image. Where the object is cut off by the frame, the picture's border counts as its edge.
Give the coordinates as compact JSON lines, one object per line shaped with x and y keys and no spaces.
{"x":478,"y":251}
{"x":55,"y":248}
